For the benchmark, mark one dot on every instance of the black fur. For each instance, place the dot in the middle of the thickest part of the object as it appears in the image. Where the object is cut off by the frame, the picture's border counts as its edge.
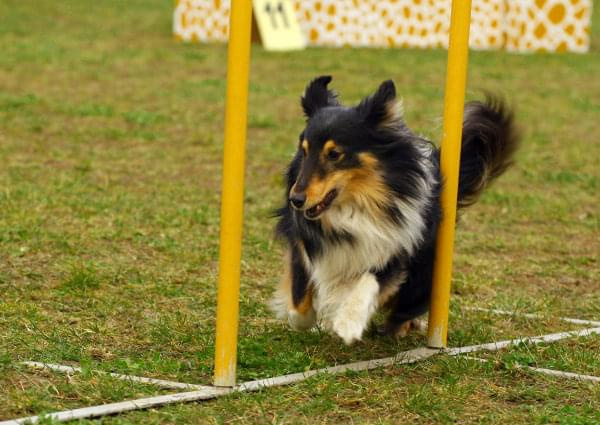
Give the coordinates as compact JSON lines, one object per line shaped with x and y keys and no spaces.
{"x":490,"y":139}
{"x":405,"y":161}
{"x":317,"y":96}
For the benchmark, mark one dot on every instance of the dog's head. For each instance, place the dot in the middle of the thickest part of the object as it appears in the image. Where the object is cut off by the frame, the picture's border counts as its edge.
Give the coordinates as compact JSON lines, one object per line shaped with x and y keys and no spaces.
{"x":337,"y":152}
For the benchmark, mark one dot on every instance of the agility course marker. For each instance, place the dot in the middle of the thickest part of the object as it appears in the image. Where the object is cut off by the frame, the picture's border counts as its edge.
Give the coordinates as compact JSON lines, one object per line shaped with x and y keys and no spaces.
{"x":171,"y":385}
{"x":277,"y":25}
{"x":454,"y":103}
{"x":534,"y":316}
{"x":122,"y":406}
{"x":544,"y":371}
{"x":495,"y":346}
{"x":406,"y":357}
{"x":232,"y":198}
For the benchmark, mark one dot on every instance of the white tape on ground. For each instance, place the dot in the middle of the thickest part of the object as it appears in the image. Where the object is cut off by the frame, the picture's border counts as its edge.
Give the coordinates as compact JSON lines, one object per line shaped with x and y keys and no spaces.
{"x":152,"y":381}
{"x":551,"y":372}
{"x":495,"y":346}
{"x":534,"y":316}
{"x":405,"y":357}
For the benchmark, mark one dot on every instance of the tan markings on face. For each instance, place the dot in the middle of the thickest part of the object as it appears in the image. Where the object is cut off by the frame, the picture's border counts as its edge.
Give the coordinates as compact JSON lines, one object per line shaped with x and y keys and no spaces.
{"x":328,"y":147}
{"x":365,"y":186}
{"x":362,"y":186}
{"x":305,"y":146}
{"x":318,"y":188}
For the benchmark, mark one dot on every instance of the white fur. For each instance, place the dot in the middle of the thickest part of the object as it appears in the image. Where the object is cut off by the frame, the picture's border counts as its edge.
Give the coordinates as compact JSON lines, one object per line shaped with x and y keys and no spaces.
{"x":279,"y":304}
{"x":359,"y":302}
{"x":302,"y":322}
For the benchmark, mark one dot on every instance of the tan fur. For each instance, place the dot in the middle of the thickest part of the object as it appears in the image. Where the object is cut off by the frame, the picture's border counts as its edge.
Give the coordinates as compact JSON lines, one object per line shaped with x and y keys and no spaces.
{"x":316,"y":190}
{"x":282,"y":298}
{"x":305,"y":146}
{"x":404,"y":328}
{"x":328,"y":147}
{"x":285,"y":288}
{"x":363,"y":185}
{"x":300,"y":316}
{"x":393,"y":114}
{"x":390,"y":290}
{"x":306,"y":303}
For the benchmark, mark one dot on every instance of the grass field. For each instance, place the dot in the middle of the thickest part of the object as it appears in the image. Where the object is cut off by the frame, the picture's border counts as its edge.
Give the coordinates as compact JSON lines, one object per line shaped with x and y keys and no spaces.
{"x":110,"y":150}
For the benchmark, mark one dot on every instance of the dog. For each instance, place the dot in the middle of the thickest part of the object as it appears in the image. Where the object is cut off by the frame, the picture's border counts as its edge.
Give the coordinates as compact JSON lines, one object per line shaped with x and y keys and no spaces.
{"x":362,"y":208}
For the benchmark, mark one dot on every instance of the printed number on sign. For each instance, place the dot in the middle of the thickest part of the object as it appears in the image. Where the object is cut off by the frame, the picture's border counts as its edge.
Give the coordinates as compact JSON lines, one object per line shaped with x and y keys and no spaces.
{"x":277,"y":24}
{"x":275,"y":12}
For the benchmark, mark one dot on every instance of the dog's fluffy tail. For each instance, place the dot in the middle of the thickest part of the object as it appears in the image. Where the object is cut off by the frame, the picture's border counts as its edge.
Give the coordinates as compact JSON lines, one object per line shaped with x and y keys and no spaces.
{"x":489,"y":141}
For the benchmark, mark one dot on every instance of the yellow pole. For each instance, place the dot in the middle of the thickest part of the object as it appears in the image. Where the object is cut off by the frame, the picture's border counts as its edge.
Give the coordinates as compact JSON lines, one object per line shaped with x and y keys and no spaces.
{"x":456,"y":79}
{"x":238,"y":61}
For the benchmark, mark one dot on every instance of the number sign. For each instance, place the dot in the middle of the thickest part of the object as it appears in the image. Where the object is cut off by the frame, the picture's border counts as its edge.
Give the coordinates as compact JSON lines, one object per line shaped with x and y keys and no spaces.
{"x":277,"y":25}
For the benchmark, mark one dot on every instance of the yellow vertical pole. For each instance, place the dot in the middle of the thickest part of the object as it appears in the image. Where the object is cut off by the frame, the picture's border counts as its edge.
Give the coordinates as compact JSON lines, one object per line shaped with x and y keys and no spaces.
{"x":230,"y":251}
{"x":456,"y":79}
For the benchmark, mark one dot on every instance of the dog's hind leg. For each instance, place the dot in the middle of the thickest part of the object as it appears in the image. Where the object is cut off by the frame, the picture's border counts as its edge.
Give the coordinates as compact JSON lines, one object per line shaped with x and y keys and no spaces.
{"x":293,"y":298}
{"x":354,"y":313}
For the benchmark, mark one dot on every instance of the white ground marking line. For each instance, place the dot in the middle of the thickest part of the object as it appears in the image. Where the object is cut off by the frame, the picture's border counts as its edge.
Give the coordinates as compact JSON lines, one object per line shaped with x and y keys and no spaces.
{"x":158,"y":382}
{"x":495,"y":346}
{"x":123,"y":406}
{"x":551,"y":372}
{"x":410,"y":356}
{"x":405,"y":357}
{"x":534,"y":316}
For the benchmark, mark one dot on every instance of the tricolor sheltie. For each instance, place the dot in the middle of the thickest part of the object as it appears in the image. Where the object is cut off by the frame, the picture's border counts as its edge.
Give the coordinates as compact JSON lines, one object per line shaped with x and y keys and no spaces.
{"x":362,"y":208}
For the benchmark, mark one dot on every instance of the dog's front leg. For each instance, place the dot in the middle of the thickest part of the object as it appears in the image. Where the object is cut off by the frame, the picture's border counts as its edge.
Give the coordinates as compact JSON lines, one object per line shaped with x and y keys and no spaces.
{"x":293,"y":297}
{"x":354,"y":313}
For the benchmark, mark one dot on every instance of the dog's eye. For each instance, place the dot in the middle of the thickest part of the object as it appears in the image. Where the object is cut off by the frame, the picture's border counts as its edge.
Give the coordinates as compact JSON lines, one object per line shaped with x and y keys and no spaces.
{"x":333,"y":155}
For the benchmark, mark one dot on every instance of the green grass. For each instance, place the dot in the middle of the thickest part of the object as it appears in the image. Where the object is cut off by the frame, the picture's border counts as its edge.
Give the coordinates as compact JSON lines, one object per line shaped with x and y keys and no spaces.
{"x":110,"y":153}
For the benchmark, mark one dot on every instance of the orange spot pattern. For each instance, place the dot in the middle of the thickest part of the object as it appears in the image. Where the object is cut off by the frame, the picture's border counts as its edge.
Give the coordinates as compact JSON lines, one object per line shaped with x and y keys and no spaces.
{"x":201,"y":20}
{"x":548,"y":25}
{"x":517,"y":25}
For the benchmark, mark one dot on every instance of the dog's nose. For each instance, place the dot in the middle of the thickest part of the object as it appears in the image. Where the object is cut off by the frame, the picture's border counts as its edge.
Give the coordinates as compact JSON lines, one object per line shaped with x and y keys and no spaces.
{"x":297,"y":199}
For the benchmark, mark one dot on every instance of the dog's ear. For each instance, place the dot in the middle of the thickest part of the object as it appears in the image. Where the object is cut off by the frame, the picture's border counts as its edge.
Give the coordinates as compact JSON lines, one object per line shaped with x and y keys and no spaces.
{"x":317,"y":96}
{"x":381,"y":109}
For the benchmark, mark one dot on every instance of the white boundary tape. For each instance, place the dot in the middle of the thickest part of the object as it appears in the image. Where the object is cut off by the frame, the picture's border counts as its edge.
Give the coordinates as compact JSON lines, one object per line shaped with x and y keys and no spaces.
{"x":123,"y":406}
{"x":551,"y":372}
{"x":561,"y":374}
{"x":157,"y":382}
{"x":405,"y":357}
{"x":495,"y":346}
{"x":534,"y":316}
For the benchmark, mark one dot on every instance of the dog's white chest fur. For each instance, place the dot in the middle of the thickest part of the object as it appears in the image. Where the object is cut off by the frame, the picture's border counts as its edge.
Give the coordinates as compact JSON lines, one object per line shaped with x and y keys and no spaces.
{"x":374,"y":243}
{"x":346,"y":289}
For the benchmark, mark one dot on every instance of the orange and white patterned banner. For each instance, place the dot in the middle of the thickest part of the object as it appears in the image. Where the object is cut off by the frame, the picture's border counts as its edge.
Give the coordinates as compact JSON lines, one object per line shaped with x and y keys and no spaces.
{"x":517,"y":25}
{"x":548,"y":25}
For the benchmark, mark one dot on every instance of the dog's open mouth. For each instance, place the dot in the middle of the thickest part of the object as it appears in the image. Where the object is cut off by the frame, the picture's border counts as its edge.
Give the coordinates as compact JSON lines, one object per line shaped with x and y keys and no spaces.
{"x":318,"y":209}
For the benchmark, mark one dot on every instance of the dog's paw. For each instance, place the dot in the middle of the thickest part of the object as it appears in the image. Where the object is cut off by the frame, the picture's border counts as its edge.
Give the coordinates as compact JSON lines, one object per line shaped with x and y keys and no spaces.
{"x":347,"y":329}
{"x":404,"y":328}
{"x":302,"y":322}
{"x":420,"y":325}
